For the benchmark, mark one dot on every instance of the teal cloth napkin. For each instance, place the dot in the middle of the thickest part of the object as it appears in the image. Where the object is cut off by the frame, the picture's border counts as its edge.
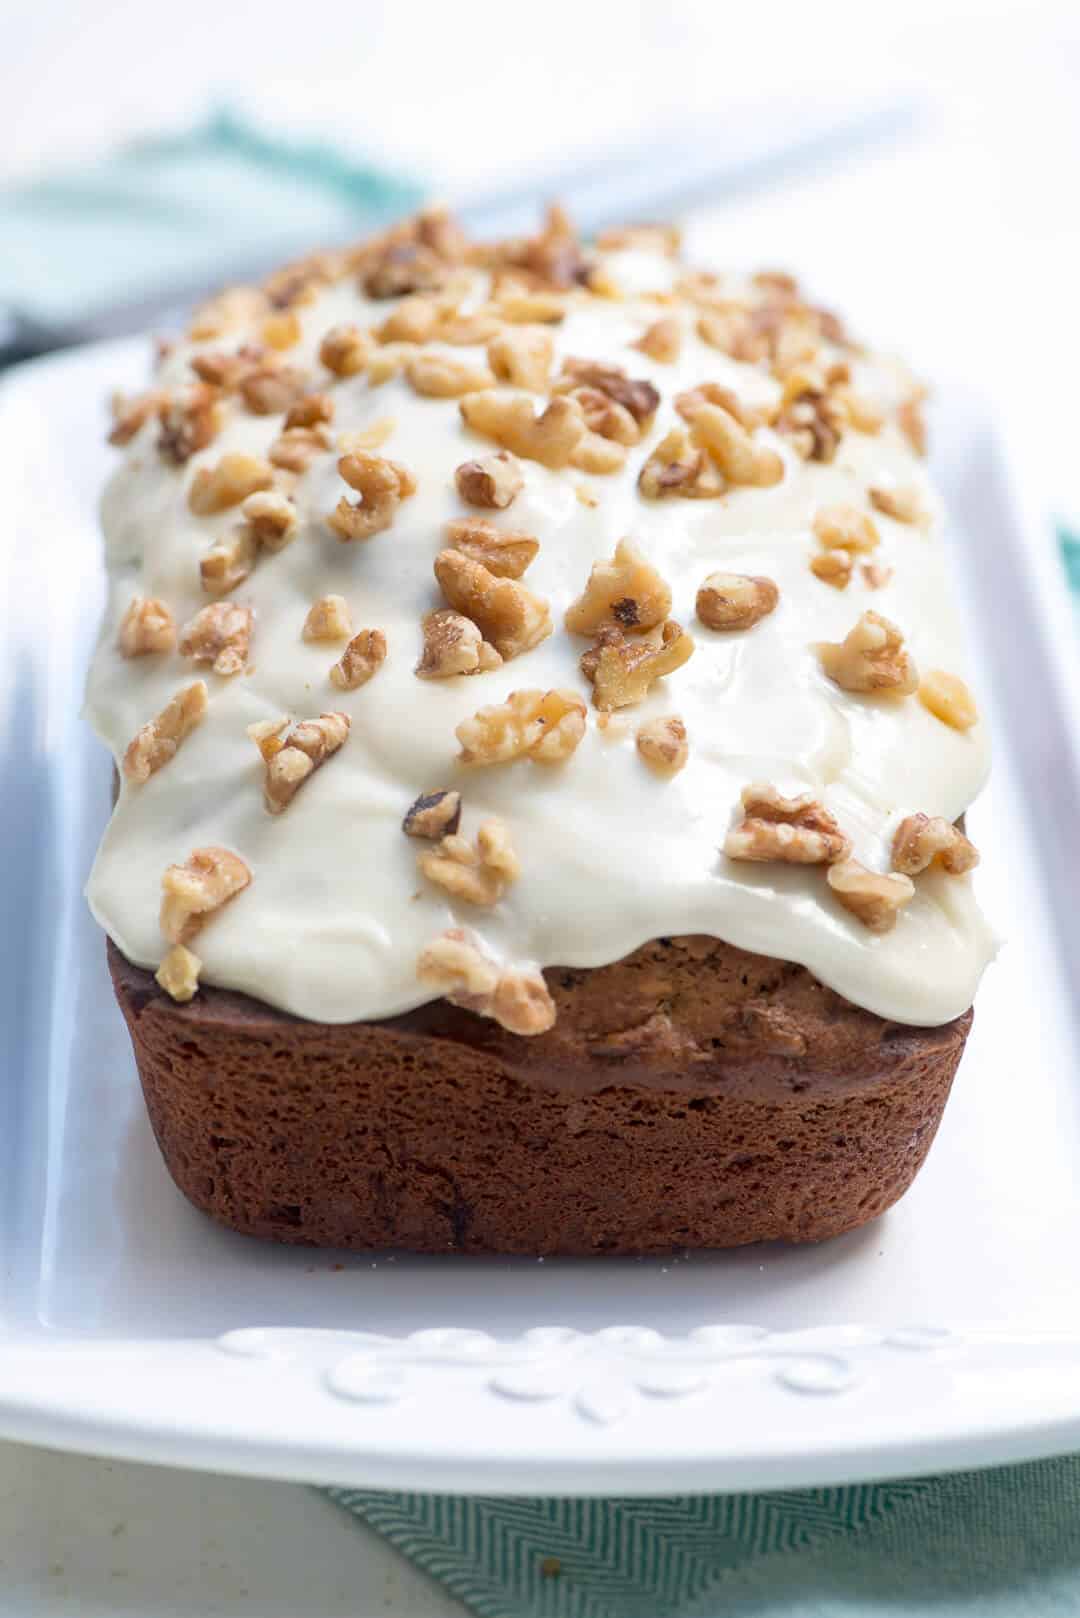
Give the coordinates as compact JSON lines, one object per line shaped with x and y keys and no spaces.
{"x":170,"y":211}
{"x":1003,"y":1543}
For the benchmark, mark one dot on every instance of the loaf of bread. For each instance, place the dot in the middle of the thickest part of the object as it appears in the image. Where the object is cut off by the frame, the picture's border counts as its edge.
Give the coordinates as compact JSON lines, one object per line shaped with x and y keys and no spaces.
{"x":543,"y":741}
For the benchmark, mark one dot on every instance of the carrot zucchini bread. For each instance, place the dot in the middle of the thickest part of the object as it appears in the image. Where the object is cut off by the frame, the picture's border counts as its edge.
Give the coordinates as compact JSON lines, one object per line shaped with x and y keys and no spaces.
{"x":543,"y":743}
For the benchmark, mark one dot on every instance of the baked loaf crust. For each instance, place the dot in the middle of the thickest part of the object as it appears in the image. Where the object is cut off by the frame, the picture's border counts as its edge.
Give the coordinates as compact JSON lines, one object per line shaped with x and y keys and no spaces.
{"x":690,"y":1095}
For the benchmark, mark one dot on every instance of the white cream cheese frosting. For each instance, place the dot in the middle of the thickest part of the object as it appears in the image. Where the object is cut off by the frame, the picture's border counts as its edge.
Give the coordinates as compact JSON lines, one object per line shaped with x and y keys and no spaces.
{"x":611,"y":853}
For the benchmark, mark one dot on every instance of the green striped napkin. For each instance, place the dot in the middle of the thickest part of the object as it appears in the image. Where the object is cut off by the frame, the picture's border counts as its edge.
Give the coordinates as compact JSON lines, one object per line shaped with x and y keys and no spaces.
{"x":1003,"y":1544}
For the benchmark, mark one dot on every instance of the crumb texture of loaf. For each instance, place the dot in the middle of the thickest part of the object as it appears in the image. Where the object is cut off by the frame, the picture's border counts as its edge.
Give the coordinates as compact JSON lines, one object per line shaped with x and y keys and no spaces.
{"x":690,"y":1096}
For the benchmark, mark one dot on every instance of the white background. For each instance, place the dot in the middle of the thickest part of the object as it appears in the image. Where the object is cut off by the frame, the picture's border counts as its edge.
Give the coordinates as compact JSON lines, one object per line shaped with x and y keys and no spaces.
{"x":961,"y":246}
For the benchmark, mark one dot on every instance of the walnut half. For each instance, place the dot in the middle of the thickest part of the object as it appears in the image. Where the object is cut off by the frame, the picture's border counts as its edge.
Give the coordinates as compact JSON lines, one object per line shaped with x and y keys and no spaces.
{"x":516,"y":998}
{"x":798,"y":831}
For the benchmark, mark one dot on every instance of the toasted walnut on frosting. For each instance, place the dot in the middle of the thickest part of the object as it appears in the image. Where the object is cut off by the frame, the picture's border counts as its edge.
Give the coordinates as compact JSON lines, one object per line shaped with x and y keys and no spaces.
{"x":147,"y":626}
{"x":845,"y":527}
{"x":902,"y":502}
{"x":413,"y":320}
{"x":313,"y":410}
{"x":130,"y":414}
{"x":453,"y":645}
{"x":924,"y":840}
{"x":345,"y":350}
{"x":662,"y":341}
{"x":178,"y":974}
{"x":296,"y":448}
{"x":627,"y":592}
{"x":509,"y":616}
{"x":493,"y":480}
{"x":155,"y":743}
{"x":292,"y":755}
{"x":274,"y":388}
{"x":813,"y":415}
{"x":229,"y":563}
{"x":226,"y":370}
{"x":751,"y":416}
{"x":738,"y":455}
{"x":282,"y":329}
{"x":873,"y":898}
{"x":798,"y":831}
{"x":510,"y":420}
{"x":833,"y":567}
{"x":516,"y":998}
{"x":502,"y":551}
{"x":621,"y":668}
{"x":662,"y":744}
{"x":328,"y":619}
{"x":444,"y":376}
{"x":433,"y":815}
{"x":875,"y":575}
{"x":480,"y":875}
{"x":189,"y":422}
{"x":229,"y":310}
{"x":363,"y":657}
{"x":229,"y":481}
{"x":912,"y":422}
{"x":679,"y":467}
{"x":871,"y":659}
{"x":192,"y":892}
{"x":381,"y":484}
{"x":545,"y":726}
{"x":615,"y":406}
{"x":736,"y":600}
{"x":948,"y":699}
{"x":270,"y":517}
{"x":522,"y":356}
{"x":219,"y":635}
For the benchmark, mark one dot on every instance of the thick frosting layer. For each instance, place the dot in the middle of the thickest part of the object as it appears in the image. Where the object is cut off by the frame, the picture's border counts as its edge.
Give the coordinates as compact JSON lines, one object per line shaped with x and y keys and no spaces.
{"x":611,"y":854}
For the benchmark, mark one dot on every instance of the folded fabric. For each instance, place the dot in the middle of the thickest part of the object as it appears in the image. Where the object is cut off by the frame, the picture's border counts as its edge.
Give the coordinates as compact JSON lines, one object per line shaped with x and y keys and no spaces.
{"x":217,"y":202}
{"x":1003,"y":1543}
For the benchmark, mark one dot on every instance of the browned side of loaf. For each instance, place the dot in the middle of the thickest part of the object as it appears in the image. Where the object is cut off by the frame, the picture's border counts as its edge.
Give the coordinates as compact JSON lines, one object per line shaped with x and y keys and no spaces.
{"x":691,"y":1095}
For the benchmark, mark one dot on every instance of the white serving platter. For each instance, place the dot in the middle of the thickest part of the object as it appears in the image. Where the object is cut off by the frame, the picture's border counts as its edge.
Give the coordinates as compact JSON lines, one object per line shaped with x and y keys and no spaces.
{"x":945,"y":1335}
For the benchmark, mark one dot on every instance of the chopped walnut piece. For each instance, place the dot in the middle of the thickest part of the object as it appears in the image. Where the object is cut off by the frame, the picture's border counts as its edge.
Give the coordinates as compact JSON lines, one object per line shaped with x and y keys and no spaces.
{"x":662,"y":341}
{"x":549,"y":438}
{"x":412,"y":321}
{"x":479,"y":875}
{"x":467,"y":330}
{"x":388,"y":362}
{"x":373,"y":436}
{"x":517,"y":1000}
{"x":833,"y":567}
{"x":739,"y":456}
{"x":542,"y":725}
{"x":229,"y":563}
{"x":131,"y":414}
{"x":190,"y":421}
{"x":875,"y":575}
{"x":865,"y":415}
{"x":178,"y":974}
{"x":735,"y":600}
{"x":292,"y":757}
{"x":598,"y":455}
{"x":662,"y":744}
{"x":508,"y":615}
{"x":381,"y":485}
{"x":208,"y":879}
{"x":274,"y":388}
{"x":901,"y":502}
{"x":271,"y":519}
{"x":363,"y":657}
{"x":622,"y":670}
{"x":404,"y":267}
{"x":433,"y":815}
{"x":453,"y":645}
{"x":282,"y":329}
{"x":502,"y":552}
{"x":665,"y":239}
{"x":295,"y":449}
{"x":799,"y":831}
{"x":328,"y":619}
{"x":846,"y":528}
{"x":227,"y":311}
{"x":220,"y":635}
{"x":443,"y":376}
{"x":813,"y":417}
{"x":147,"y":626}
{"x":345,"y":350}
{"x":924,"y":840}
{"x":227,"y":371}
{"x":311,"y":411}
{"x":871,"y":659}
{"x":948,"y":699}
{"x":691,"y":400}
{"x":521,"y":307}
{"x":493,"y":480}
{"x":638,"y":399}
{"x":604,"y":417}
{"x":155,"y":743}
{"x":229,"y":481}
{"x":627,"y":592}
{"x":678,"y":467}
{"x":522,"y":357}
{"x":874,"y":899}
{"x":912,"y":423}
